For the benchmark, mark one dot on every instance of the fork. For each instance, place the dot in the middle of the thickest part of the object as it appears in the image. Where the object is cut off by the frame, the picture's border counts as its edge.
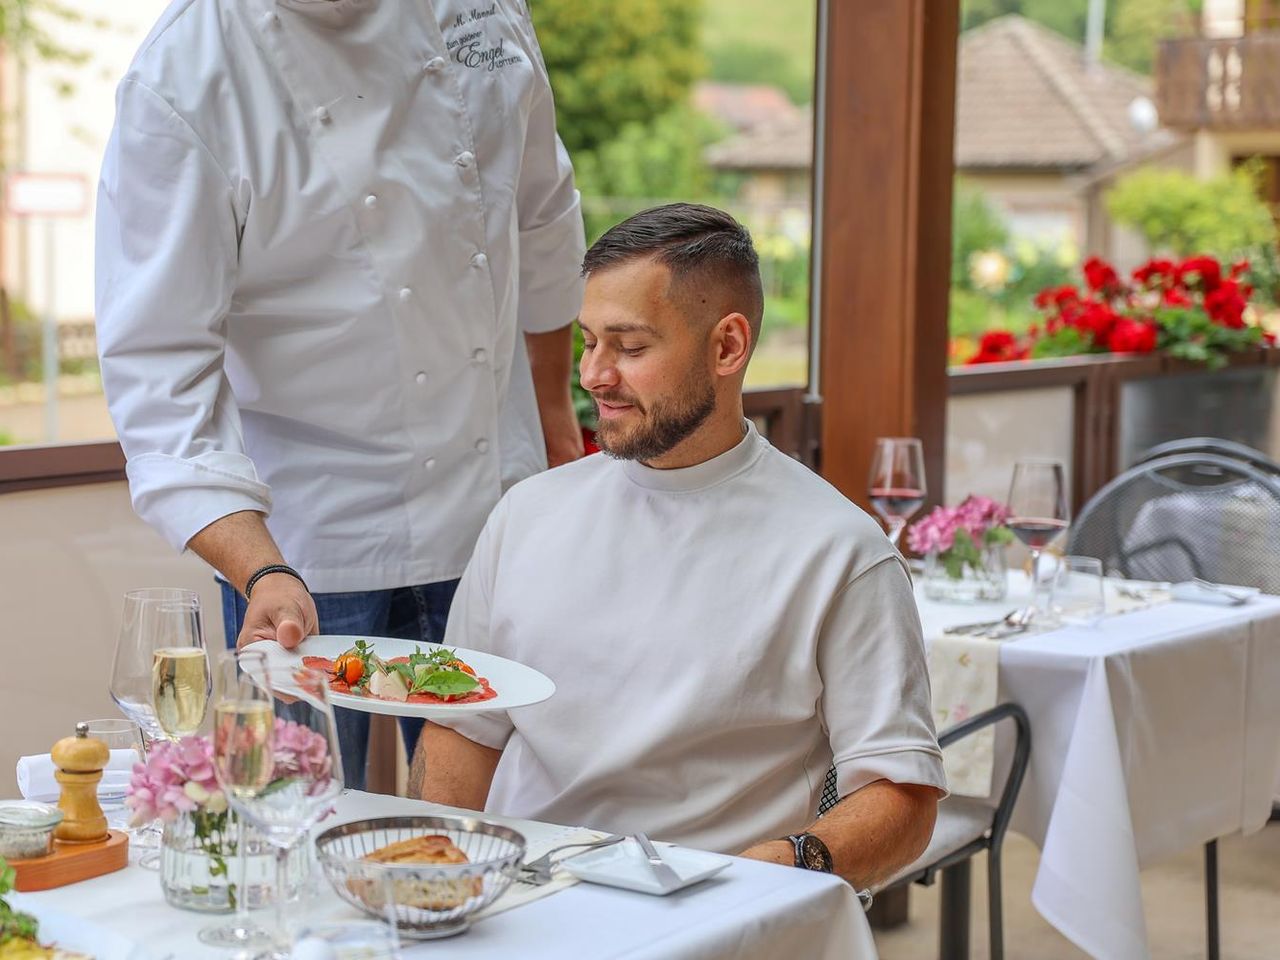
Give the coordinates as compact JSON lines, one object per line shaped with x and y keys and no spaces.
{"x":537,"y":872}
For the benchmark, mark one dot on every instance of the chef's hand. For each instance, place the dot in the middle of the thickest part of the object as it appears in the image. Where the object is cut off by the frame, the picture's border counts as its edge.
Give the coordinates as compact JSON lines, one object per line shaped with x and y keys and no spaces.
{"x":563,"y":436}
{"x":280,"y":609}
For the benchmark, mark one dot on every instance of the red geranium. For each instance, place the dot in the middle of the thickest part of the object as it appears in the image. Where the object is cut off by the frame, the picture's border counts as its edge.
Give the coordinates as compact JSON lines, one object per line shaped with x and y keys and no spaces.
{"x":997,"y":346}
{"x":1226,"y":302}
{"x":1133,"y":336}
{"x":1204,"y":271}
{"x":1101,"y":276}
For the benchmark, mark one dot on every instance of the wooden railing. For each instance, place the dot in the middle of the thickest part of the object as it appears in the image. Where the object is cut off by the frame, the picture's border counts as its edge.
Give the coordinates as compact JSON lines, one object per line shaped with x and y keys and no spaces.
{"x":1098,"y":385}
{"x":1219,"y":83}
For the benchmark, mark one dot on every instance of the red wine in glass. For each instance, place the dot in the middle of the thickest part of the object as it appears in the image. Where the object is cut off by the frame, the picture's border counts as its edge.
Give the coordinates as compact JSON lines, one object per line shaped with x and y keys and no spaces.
{"x":1036,"y":532}
{"x":896,"y":486}
{"x":896,"y":503}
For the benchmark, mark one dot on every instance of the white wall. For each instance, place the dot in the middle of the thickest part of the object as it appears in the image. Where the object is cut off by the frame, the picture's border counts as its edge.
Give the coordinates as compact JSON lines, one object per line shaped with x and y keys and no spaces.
{"x":67,"y":555}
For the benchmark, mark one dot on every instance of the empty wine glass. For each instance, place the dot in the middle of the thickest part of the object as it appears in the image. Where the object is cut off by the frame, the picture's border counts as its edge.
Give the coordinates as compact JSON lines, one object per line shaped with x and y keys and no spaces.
{"x":1038,"y":513}
{"x":124,"y":740}
{"x":131,"y":683}
{"x":280,"y":766}
{"x":897,"y":484}
{"x":240,"y":707}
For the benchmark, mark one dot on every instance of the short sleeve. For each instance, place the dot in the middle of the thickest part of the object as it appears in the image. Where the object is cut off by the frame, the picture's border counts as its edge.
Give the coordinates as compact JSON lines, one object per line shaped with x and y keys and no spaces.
{"x":469,"y":627}
{"x":875,"y":702}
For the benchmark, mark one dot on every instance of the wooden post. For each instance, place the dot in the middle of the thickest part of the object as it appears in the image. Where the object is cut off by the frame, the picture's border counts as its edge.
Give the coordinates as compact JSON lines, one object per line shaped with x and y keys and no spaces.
{"x":883,"y":162}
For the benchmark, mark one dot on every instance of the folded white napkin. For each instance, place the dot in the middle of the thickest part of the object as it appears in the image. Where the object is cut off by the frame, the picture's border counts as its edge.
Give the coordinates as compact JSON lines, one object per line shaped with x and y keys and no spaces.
{"x":36,"y":780}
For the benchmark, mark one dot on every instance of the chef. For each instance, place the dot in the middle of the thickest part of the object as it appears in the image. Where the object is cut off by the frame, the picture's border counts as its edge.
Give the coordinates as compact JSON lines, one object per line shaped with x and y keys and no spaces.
{"x":337,"y":255}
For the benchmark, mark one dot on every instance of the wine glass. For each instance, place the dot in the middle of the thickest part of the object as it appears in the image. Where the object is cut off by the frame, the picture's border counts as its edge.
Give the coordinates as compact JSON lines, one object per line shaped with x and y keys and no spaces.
{"x":131,"y":679}
{"x":179,"y":666}
{"x":124,"y":740}
{"x":1038,"y":513}
{"x":897,"y":485}
{"x":241,"y":708}
{"x":280,"y":766}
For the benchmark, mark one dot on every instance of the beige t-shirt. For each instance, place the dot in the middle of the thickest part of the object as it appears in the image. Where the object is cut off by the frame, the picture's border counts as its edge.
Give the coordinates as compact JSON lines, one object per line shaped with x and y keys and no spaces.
{"x":717,"y":634}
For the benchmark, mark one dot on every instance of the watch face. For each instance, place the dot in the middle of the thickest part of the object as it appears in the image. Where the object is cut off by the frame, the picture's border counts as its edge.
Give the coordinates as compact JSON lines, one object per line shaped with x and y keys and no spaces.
{"x":815,"y":855}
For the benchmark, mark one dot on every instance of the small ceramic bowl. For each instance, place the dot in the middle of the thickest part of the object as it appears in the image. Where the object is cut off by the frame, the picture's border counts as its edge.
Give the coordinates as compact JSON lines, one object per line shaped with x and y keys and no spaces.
{"x":26,"y":829}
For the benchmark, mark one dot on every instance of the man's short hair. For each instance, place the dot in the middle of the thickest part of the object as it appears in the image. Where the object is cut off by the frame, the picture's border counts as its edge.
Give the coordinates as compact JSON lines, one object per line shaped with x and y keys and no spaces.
{"x":702,"y":246}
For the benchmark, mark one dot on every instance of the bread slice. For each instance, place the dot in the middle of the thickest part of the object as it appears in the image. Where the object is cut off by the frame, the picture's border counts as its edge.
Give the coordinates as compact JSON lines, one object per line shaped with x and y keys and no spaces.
{"x":411,"y":892}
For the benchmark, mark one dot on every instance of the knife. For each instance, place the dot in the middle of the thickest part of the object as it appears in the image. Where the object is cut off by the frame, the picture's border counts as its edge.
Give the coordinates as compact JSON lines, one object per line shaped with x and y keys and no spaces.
{"x":668,"y":879}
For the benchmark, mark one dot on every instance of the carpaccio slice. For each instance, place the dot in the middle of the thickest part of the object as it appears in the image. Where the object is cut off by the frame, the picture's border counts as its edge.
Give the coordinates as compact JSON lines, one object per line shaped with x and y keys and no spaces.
{"x":485,"y":692}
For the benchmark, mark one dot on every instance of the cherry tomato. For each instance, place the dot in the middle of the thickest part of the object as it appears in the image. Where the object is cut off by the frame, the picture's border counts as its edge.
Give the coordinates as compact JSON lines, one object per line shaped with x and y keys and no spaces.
{"x":462,"y":666}
{"x":354,"y":671}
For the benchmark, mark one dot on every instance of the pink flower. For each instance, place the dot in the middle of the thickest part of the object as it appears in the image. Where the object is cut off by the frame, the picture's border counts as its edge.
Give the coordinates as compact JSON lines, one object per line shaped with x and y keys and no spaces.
{"x":177,"y":778}
{"x":300,"y":752}
{"x":936,"y":531}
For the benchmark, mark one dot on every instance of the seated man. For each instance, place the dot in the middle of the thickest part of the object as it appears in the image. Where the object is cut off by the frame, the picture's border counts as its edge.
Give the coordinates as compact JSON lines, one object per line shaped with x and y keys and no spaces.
{"x":721,"y":624}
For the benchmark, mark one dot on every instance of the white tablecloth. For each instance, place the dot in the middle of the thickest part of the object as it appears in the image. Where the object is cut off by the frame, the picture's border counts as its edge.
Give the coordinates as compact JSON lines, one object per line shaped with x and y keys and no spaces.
{"x":1153,"y":732}
{"x":751,"y":910}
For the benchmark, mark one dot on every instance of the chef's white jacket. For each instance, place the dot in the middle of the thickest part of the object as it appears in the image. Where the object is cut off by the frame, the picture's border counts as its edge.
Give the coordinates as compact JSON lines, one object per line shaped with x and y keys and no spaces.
{"x":322,"y":226}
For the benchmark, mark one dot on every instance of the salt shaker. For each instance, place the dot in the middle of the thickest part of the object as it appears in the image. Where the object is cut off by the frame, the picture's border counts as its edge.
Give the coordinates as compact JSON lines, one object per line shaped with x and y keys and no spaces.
{"x":80,"y":761}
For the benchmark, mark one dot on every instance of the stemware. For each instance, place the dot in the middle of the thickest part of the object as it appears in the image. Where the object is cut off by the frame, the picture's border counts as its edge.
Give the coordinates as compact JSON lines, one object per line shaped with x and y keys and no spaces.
{"x":124,"y":740}
{"x":281,"y":768}
{"x":238,"y":702}
{"x":1038,"y":513}
{"x":897,"y":484}
{"x":131,"y":683}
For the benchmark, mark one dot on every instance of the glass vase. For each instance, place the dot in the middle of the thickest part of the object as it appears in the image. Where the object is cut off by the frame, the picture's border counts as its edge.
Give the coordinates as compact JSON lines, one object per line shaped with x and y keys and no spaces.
{"x":198,"y":866}
{"x":988,"y":581}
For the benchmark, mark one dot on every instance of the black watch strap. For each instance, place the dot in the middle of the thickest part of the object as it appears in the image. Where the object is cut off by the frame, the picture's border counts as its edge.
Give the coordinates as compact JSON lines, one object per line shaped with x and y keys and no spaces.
{"x":271,"y":568}
{"x":811,"y":853}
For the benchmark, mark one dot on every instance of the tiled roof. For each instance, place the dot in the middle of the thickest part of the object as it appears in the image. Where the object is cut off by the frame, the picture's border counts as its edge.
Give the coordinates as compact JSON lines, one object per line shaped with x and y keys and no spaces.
{"x":742,"y":106}
{"x":1026,"y":98}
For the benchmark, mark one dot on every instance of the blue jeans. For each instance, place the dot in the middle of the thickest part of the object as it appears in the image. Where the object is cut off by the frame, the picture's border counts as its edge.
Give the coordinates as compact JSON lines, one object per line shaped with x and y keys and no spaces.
{"x":405,"y":613}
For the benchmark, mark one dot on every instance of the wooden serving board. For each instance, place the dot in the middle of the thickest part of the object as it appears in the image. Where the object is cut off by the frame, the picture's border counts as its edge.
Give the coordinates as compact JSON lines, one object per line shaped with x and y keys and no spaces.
{"x":71,"y":863}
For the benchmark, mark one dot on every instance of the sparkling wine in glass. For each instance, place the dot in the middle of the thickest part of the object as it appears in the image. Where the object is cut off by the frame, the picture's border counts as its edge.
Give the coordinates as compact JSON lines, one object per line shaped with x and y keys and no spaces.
{"x":243,"y":720}
{"x":180,"y":689}
{"x":897,"y":486}
{"x":1038,"y":514}
{"x":305,"y":772}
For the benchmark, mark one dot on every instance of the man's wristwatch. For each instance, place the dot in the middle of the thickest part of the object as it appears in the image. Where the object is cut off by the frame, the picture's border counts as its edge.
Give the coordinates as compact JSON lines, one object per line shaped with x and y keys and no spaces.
{"x":811,"y":853}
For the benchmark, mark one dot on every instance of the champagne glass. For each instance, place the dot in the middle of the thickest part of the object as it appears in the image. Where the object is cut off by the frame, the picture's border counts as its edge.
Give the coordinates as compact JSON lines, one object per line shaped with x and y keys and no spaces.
{"x":281,"y":768}
{"x":241,"y":709}
{"x":897,"y":484}
{"x":131,"y":680}
{"x":1038,"y":513}
{"x":179,"y":667}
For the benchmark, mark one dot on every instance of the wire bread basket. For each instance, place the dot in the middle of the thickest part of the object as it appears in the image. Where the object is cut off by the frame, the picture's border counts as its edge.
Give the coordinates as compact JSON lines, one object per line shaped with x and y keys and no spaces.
{"x":427,"y":900}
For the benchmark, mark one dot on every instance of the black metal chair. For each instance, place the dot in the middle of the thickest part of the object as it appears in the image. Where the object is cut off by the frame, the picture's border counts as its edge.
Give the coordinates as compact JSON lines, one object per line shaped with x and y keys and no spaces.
{"x":1215,"y":516}
{"x":1185,"y":516}
{"x":964,"y":829}
{"x":1214,"y":446}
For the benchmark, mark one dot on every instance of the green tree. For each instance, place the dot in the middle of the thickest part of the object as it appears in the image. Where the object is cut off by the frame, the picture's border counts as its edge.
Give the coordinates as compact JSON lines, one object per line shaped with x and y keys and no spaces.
{"x":976,"y":226}
{"x":616,"y":63}
{"x":1139,"y":25}
{"x":1067,"y":17}
{"x":1177,"y":213}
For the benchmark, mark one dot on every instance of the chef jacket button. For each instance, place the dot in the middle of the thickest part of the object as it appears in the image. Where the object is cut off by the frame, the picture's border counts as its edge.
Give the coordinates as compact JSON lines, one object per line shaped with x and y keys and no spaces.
{"x":321,"y":115}
{"x":482,"y":445}
{"x":429,"y":463}
{"x":406,"y":294}
{"x":420,"y":376}
{"x":465,"y":159}
{"x":479,"y":260}
{"x":478,"y":356}
{"x":371,"y":201}
{"x":434,"y":64}
{"x":270,"y":19}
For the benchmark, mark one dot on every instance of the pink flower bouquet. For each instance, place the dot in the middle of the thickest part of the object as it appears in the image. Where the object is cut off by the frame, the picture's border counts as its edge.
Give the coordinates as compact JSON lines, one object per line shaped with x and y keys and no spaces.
{"x":959,"y":535}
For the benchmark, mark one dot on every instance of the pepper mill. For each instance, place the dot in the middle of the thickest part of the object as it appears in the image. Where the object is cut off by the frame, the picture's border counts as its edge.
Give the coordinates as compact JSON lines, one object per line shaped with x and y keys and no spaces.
{"x":80,"y":761}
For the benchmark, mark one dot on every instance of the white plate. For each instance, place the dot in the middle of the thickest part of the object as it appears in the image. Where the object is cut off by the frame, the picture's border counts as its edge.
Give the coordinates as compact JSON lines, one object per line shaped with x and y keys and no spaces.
{"x":516,"y":684}
{"x":78,"y":935}
{"x":624,"y":865}
{"x":1223,"y":595}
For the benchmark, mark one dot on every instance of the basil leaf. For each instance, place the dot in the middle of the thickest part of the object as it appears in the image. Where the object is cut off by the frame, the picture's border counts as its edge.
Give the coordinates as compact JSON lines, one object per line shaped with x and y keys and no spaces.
{"x":445,"y":683}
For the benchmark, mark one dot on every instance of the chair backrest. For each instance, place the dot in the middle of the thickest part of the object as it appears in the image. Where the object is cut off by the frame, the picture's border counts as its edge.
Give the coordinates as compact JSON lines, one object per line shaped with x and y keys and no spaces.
{"x":1183,"y":516}
{"x":1214,"y":446}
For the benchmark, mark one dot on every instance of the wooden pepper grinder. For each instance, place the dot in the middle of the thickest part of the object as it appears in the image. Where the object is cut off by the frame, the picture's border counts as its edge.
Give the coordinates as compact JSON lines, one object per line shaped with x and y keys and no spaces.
{"x":80,"y":761}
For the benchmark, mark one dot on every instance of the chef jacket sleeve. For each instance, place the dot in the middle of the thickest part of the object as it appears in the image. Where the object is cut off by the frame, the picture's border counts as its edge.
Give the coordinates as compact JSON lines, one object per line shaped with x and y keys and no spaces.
{"x":167,"y":238}
{"x":549,"y":208}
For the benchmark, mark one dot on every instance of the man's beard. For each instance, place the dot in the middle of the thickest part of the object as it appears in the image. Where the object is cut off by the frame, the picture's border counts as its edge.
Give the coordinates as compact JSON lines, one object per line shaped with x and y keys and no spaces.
{"x":665,"y":424}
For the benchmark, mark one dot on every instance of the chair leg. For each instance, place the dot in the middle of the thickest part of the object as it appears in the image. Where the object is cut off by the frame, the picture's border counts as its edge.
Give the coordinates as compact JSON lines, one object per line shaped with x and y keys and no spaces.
{"x":953,"y":928}
{"x":995,"y":905}
{"x":1211,"y":898}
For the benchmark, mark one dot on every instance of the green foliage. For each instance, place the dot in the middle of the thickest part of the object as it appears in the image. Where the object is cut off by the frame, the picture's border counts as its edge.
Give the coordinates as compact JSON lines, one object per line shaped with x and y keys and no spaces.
{"x":13,"y":925}
{"x":1064,"y":342}
{"x":1139,"y":25}
{"x":1192,"y":335}
{"x":617,"y":63}
{"x":1177,"y":213}
{"x":975,"y":227}
{"x":1067,"y":17}
{"x":646,"y":162}
{"x":762,"y":41}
